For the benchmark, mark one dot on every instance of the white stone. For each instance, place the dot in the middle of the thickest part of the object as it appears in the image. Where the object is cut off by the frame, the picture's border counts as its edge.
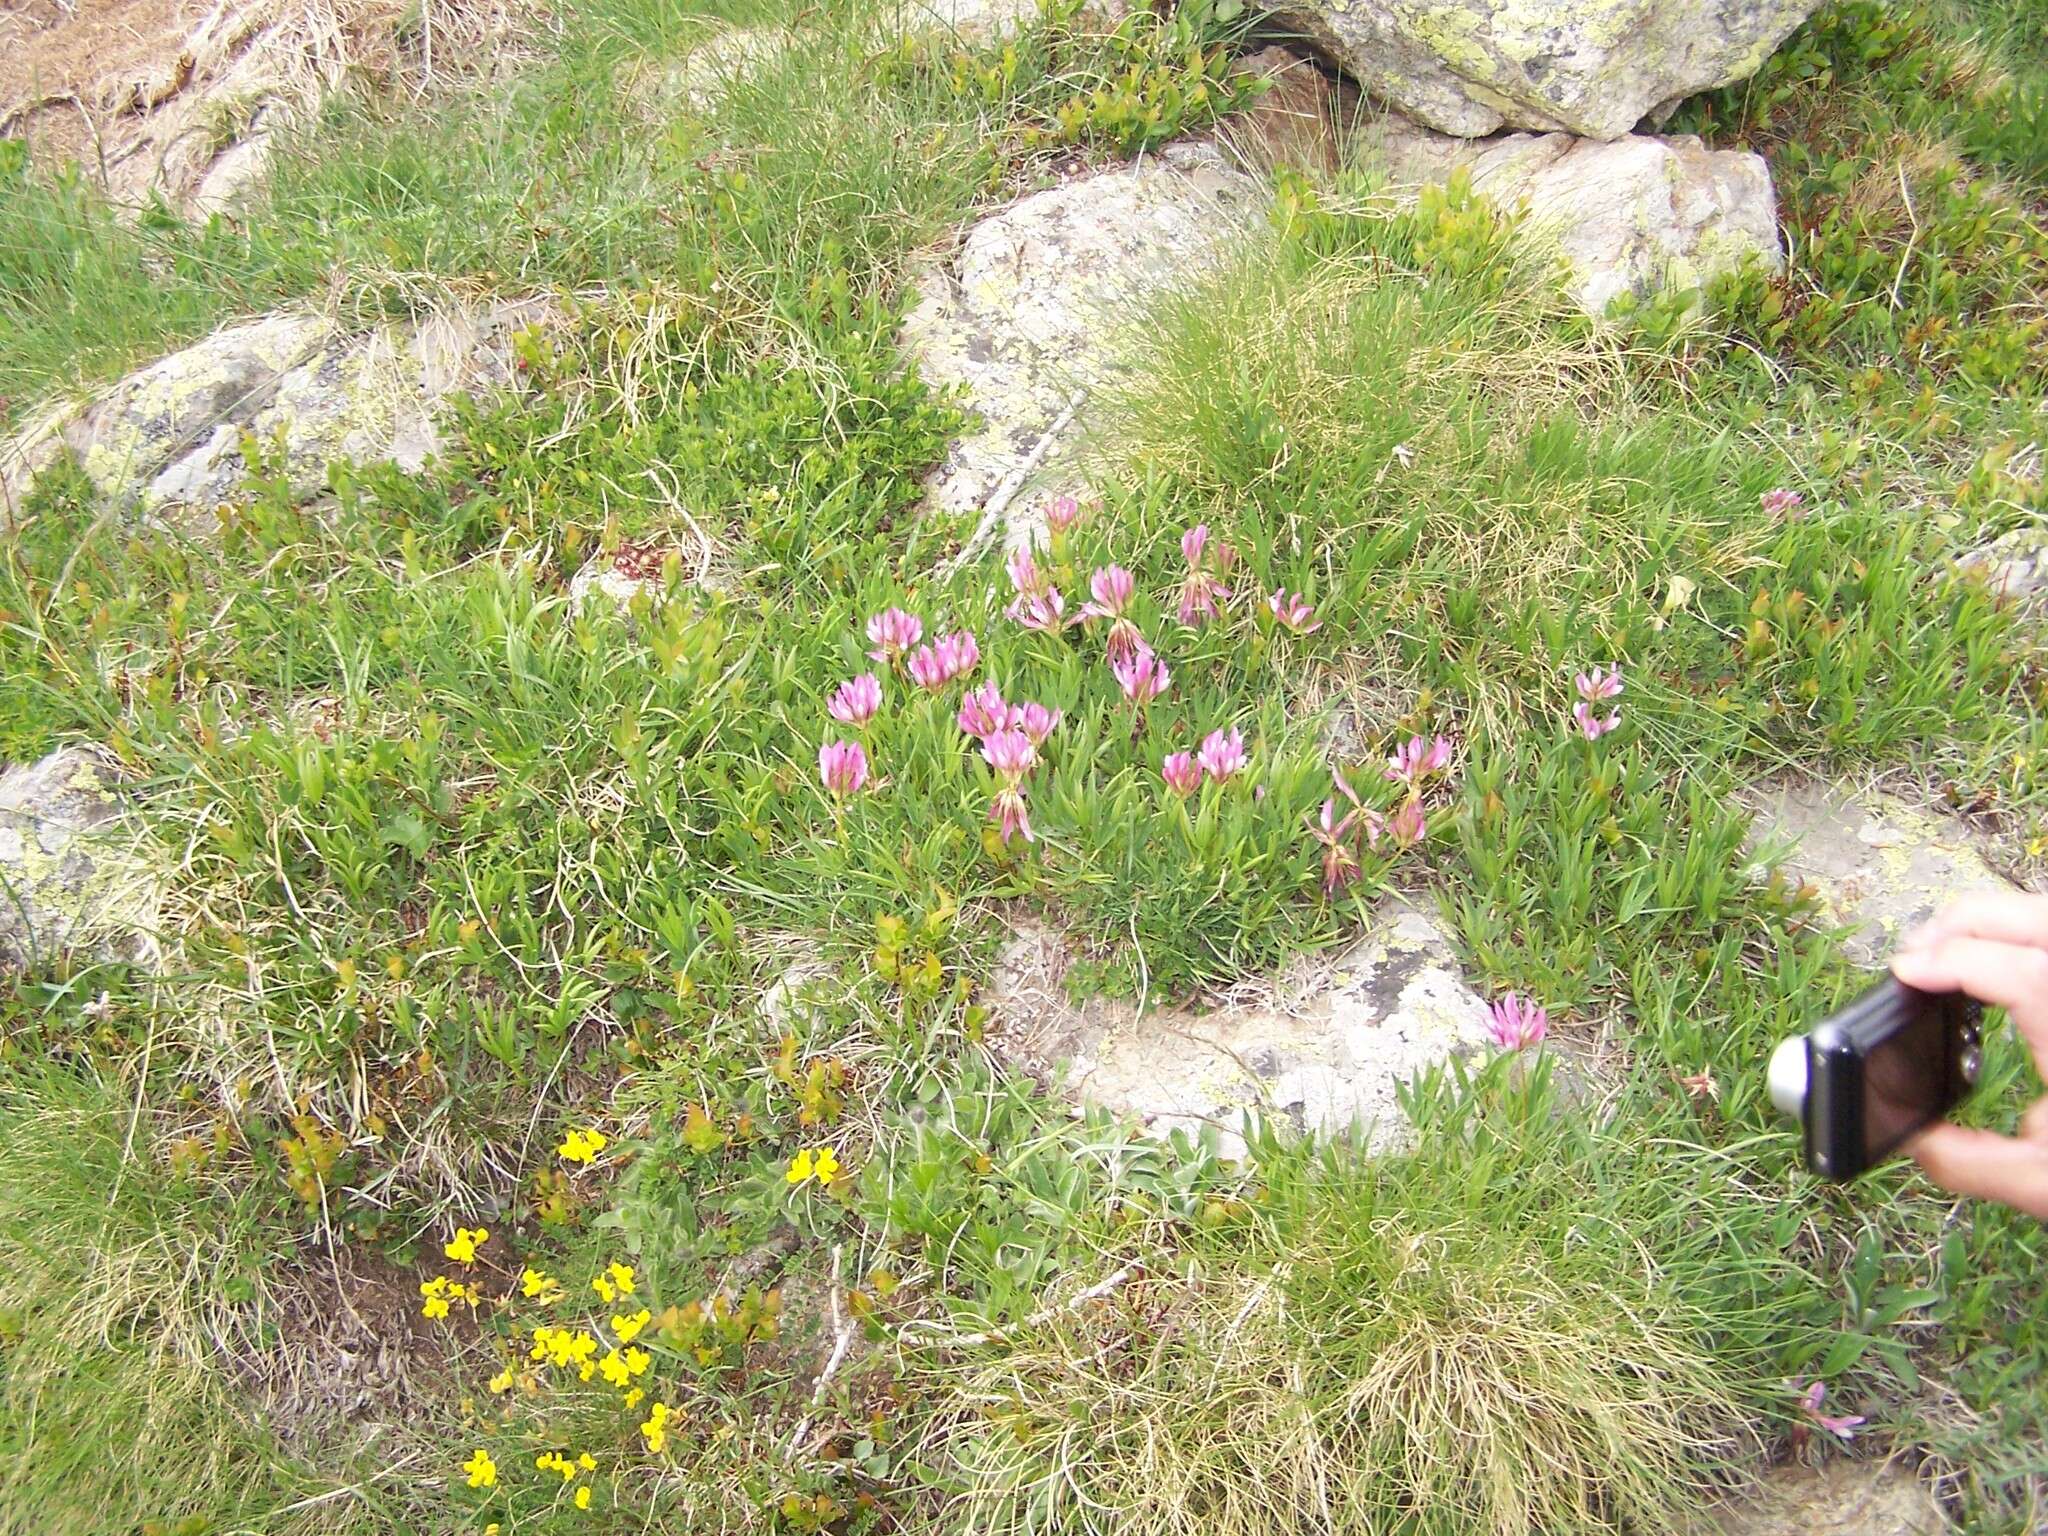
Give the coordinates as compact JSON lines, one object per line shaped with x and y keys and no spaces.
{"x":1326,"y":1057}
{"x":1627,"y":216}
{"x":1590,"y":67}
{"x":1029,"y":315}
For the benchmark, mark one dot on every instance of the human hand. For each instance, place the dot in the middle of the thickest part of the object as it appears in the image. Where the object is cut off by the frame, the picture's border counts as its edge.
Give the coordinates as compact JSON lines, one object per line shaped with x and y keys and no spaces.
{"x":1993,"y":946}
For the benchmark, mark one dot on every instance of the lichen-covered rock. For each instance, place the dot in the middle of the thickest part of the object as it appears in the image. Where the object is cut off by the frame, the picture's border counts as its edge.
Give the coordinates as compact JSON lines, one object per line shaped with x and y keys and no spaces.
{"x":1322,"y":1057}
{"x":1879,"y":864}
{"x":1842,"y":1498}
{"x":310,"y":392}
{"x":1627,"y":216}
{"x":69,"y":880}
{"x":1028,"y":316}
{"x":1589,"y":67}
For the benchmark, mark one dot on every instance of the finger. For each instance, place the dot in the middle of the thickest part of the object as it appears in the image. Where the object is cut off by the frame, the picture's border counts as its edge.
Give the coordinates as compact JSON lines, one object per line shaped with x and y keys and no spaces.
{"x":2009,"y":976}
{"x":2034,"y":1123}
{"x":1985,"y":1165}
{"x":2007,"y":917}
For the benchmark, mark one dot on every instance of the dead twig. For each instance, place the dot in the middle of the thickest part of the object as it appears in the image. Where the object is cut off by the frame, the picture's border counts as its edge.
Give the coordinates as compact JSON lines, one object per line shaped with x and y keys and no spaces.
{"x":843,"y":1324}
{"x":1005,"y":493}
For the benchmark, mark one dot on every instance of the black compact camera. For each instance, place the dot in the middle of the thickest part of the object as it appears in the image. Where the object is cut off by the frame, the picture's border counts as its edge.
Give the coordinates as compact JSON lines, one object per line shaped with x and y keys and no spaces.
{"x":1891,"y":1063}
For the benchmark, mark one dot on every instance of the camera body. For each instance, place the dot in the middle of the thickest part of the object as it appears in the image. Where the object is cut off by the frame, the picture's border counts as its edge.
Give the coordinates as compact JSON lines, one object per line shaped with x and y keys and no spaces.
{"x":1890,"y":1064}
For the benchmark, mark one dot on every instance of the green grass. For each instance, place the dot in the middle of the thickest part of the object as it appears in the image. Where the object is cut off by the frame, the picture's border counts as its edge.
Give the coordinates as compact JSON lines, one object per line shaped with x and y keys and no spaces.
{"x":459,"y":867}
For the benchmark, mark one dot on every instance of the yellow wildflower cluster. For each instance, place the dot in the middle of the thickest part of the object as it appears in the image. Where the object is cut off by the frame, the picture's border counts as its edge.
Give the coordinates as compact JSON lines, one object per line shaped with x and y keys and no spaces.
{"x":565,"y":1350}
{"x":483,"y":1472}
{"x":823,"y":1165}
{"x":582,"y":1146}
{"x":539,"y":1287}
{"x":616,"y":1281}
{"x":463,"y":1245}
{"x":655,"y":1429}
{"x":549,"y":1461}
{"x":627,"y":1329}
{"x":620,"y":1369}
{"x":440,"y":1291}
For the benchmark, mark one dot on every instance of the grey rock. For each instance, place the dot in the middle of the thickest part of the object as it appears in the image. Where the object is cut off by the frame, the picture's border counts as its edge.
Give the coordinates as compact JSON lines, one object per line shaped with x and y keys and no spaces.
{"x":308,"y":390}
{"x":1325,"y":1050}
{"x":1028,"y":317}
{"x":1626,"y":217}
{"x":235,"y":174}
{"x":69,"y":876}
{"x":1881,"y":865}
{"x":1589,"y":67}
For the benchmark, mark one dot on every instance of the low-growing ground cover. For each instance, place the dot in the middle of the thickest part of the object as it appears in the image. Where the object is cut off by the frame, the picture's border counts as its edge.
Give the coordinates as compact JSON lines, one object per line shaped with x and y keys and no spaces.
{"x":565,"y":1106}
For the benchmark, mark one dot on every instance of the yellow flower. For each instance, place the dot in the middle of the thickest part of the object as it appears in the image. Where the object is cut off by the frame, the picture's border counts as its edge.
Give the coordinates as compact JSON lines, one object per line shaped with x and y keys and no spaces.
{"x":553,"y":1461}
{"x":502,"y":1382}
{"x":583,"y":1497}
{"x":633,"y":1397}
{"x":799,"y":1167}
{"x":604,"y":1289}
{"x":628,"y":1328}
{"x":637,"y":1361}
{"x":436,"y":1293}
{"x":463,"y":1245}
{"x":622,"y":1276}
{"x":654,"y":1429}
{"x":827,"y":1165}
{"x":582,"y":1146}
{"x":613,"y":1366}
{"x":541,"y":1287}
{"x":587,"y":1462}
{"x":483,"y":1472}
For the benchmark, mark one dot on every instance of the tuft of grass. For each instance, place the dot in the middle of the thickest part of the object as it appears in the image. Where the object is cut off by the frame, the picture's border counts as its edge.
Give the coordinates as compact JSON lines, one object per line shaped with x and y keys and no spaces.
{"x":1474,"y":1338}
{"x":122,"y":1282}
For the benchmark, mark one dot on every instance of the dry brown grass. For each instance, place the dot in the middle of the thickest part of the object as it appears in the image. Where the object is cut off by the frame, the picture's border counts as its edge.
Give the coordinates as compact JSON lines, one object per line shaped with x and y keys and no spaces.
{"x":145,"y":98}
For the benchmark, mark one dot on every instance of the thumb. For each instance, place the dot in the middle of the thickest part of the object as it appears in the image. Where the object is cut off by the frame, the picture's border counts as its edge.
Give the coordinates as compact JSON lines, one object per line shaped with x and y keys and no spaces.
{"x":1985,"y":1165}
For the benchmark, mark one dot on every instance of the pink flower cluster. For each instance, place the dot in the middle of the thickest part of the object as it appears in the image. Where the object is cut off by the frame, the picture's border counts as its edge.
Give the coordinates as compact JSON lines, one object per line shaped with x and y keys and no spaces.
{"x":1783,"y":503}
{"x":1204,"y":591}
{"x":894,"y":636}
{"x":1292,"y":612}
{"x":1038,"y":604}
{"x":843,"y":766}
{"x":1517,"y":1023}
{"x":1220,"y":757}
{"x":1010,"y":736}
{"x":1596,"y":687}
{"x":933,"y":666}
{"x":1842,"y":1426}
{"x":1412,"y":765}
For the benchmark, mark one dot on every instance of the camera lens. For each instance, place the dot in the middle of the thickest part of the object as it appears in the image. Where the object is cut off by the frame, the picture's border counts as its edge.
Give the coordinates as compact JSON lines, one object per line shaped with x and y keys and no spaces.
{"x":1786,"y":1077}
